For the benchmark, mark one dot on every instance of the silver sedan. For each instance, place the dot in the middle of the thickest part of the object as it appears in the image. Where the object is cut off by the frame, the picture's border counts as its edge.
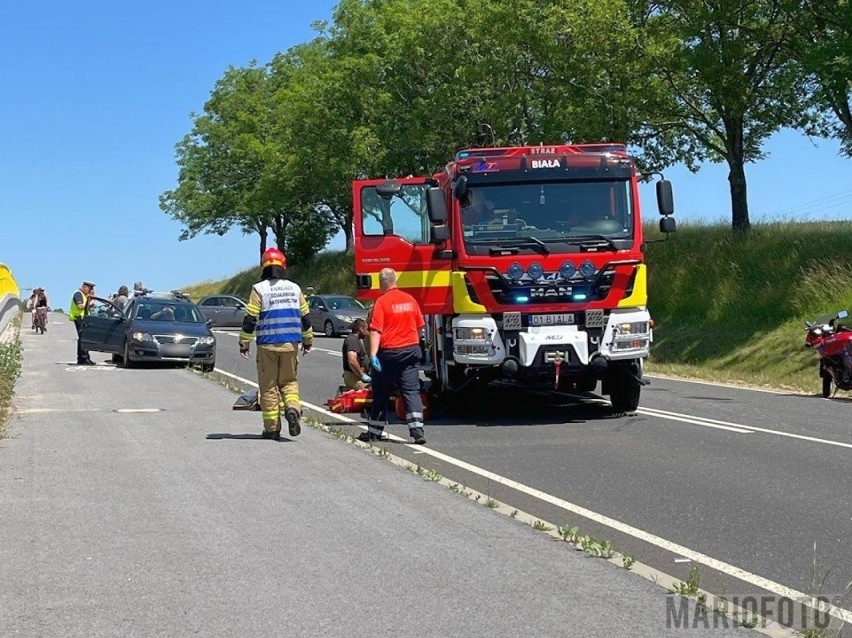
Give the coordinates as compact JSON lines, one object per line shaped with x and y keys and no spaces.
{"x":224,"y":311}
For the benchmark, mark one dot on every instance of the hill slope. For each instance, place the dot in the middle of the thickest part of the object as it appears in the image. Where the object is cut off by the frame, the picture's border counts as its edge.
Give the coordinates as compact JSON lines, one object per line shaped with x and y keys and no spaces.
{"x":726,"y":308}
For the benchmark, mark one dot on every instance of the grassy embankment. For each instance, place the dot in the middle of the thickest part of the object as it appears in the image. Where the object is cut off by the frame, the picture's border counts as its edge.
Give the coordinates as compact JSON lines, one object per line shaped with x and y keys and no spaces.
{"x":11,"y":356}
{"x":727,"y":308}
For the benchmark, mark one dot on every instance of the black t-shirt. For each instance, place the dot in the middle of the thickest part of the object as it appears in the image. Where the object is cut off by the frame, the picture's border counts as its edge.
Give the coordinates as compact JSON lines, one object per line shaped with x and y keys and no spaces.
{"x":353,"y":343}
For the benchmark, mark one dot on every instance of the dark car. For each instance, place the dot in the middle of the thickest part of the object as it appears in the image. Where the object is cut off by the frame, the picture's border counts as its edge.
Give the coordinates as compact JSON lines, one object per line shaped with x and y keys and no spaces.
{"x":225,"y":311}
{"x":152,"y":327}
{"x":333,"y":314}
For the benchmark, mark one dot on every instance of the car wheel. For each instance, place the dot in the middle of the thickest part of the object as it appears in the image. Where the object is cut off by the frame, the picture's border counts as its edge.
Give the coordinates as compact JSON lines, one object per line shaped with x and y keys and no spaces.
{"x":125,"y":361}
{"x":117,"y":359}
{"x":329,"y":329}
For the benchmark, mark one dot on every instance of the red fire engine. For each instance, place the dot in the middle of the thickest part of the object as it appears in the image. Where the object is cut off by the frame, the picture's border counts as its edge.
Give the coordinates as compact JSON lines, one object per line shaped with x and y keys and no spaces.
{"x":528,"y":263}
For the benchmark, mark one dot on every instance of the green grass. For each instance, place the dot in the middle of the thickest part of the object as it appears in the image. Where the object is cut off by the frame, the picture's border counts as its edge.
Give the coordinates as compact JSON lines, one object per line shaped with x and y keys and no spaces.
{"x":727,"y":308}
{"x":731,"y":308}
{"x":11,"y":356}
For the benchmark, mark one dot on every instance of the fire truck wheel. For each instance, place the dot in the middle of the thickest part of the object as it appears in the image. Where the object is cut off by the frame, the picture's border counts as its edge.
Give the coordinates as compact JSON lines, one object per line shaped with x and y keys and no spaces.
{"x":624,"y":390}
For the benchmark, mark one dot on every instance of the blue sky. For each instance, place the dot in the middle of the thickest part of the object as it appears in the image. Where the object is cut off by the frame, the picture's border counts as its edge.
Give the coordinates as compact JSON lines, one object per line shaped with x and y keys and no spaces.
{"x":96,"y":94}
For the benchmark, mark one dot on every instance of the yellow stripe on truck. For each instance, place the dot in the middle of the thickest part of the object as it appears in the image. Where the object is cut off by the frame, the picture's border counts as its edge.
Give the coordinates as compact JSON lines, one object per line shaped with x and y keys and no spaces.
{"x":462,"y":303}
{"x":416,"y":279}
{"x":639,"y":297}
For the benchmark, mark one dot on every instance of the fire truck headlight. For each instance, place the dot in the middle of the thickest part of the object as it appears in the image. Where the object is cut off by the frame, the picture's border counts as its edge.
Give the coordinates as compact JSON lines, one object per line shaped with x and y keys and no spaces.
{"x":567,"y":270}
{"x":515,"y":271}
{"x":471,"y":334}
{"x":634,"y":328}
{"x":587,"y":269}
{"x":536,"y":270}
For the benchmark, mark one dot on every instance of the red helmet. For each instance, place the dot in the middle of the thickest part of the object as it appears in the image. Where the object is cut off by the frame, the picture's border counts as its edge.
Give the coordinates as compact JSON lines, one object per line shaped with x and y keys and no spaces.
{"x":273,"y":257}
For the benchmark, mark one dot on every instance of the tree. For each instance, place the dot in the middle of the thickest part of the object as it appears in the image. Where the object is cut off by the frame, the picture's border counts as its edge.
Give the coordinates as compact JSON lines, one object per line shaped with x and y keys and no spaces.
{"x":233,"y":169}
{"x":732,"y":84}
{"x":823,"y":45}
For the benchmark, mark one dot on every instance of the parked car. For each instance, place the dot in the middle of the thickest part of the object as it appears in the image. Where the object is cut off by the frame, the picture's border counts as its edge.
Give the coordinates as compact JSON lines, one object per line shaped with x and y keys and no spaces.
{"x":333,"y":314}
{"x":225,"y":311}
{"x":152,"y":327}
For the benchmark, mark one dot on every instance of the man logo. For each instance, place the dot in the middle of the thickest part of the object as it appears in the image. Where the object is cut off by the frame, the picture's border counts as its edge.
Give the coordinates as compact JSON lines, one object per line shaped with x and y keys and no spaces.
{"x":547,"y":163}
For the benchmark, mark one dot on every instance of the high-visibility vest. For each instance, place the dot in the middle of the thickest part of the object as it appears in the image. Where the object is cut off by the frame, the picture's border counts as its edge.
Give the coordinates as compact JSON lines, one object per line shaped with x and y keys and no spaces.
{"x":280,"y":318}
{"x":74,"y":312}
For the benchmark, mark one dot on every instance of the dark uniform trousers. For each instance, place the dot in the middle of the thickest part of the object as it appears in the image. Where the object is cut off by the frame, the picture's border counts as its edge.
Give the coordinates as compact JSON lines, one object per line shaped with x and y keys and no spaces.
{"x":82,"y":355}
{"x":399,"y":366}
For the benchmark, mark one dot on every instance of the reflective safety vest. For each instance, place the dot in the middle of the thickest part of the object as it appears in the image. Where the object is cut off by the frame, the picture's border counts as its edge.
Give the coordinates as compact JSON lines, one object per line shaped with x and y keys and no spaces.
{"x":280,"y":318}
{"x":74,"y":312}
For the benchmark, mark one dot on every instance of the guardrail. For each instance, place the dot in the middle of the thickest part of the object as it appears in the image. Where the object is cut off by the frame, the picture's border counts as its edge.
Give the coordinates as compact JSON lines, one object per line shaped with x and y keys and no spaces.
{"x":10,"y":302}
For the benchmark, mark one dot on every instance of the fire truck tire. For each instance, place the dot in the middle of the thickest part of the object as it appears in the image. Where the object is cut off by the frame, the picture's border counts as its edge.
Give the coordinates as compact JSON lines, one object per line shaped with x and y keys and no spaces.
{"x":624,"y":390}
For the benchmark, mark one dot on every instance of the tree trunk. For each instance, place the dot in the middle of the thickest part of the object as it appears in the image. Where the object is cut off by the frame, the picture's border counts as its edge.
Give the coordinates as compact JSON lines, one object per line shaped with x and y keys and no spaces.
{"x":736,"y":176}
{"x":279,"y":229}
{"x":263,"y":235}
{"x":349,"y":235}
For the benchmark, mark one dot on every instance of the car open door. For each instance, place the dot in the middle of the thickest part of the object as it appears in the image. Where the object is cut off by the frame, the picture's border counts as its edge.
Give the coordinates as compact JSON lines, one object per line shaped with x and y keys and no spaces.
{"x":104,"y":327}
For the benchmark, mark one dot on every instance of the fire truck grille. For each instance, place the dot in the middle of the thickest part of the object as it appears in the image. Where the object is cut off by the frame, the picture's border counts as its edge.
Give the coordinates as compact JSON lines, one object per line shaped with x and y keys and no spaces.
{"x":508,"y":293}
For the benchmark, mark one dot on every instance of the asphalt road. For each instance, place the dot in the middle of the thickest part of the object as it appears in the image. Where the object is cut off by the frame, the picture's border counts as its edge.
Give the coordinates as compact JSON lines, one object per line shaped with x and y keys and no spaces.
{"x":136,"y":503}
{"x":753,"y":486}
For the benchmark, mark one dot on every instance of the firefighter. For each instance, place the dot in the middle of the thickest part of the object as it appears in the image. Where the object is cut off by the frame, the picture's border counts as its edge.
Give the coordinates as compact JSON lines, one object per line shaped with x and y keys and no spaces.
{"x":277,"y":314}
{"x":395,"y":356}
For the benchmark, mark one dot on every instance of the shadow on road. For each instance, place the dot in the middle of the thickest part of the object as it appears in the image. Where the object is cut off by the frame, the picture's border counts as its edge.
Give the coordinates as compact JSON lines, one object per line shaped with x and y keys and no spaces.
{"x":218,"y":436}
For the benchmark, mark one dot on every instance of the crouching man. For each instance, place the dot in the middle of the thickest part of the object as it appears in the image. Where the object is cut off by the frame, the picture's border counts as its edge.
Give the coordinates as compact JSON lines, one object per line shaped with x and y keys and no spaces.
{"x":355,"y":362}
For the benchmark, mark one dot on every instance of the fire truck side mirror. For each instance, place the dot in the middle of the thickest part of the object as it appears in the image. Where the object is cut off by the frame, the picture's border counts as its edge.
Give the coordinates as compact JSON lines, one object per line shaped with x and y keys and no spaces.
{"x":436,"y":205}
{"x":460,"y":187}
{"x":439,"y":234}
{"x":665,"y":198}
{"x":667,"y":225}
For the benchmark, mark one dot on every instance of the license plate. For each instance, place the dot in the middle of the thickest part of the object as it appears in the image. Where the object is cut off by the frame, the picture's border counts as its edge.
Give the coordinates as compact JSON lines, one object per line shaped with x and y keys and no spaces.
{"x":566,"y":319}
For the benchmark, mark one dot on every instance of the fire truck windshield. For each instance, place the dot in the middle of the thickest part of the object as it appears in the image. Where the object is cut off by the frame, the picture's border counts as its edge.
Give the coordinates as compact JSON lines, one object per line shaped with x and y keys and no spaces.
{"x":551,"y":213}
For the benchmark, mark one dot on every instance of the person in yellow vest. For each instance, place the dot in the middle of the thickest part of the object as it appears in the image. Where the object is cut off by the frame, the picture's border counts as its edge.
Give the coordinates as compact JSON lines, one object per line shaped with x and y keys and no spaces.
{"x":277,"y":316}
{"x":81,"y":300}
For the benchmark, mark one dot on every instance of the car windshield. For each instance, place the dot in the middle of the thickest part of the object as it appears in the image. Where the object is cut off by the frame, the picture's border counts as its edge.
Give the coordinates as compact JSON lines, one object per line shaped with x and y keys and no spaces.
{"x":168,"y":311}
{"x":343,"y":303}
{"x":548,"y":212}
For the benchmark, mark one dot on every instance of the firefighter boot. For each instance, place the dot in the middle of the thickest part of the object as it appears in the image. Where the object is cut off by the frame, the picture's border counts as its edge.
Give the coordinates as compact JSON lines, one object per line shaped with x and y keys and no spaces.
{"x":292,"y":416}
{"x":417,"y":435}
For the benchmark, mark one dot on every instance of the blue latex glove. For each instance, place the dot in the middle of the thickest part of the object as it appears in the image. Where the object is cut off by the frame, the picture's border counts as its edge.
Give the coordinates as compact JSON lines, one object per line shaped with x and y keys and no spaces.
{"x":374,"y":362}
{"x":366,"y":378}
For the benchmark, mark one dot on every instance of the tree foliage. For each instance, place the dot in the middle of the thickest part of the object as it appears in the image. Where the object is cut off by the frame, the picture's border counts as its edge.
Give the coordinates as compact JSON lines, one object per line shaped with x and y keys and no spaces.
{"x":396,"y":87}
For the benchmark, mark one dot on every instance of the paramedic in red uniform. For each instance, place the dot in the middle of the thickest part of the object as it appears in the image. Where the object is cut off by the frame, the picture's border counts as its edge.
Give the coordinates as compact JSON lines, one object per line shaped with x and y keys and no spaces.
{"x":395,"y":356}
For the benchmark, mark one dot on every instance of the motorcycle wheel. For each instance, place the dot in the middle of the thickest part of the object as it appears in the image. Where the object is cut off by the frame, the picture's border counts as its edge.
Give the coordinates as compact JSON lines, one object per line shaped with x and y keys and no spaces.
{"x":826,"y":386}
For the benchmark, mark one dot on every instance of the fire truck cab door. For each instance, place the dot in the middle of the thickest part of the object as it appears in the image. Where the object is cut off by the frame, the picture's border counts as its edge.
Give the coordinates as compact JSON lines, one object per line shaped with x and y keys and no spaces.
{"x":394,"y":231}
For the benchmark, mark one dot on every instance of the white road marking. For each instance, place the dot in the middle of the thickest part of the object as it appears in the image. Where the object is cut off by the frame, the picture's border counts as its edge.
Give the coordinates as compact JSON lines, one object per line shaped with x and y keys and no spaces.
{"x":696,"y":420}
{"x":138,"y":410}
{"x":750,"y":428}
{"x":635,"y":532}
{"x":94,"y":368}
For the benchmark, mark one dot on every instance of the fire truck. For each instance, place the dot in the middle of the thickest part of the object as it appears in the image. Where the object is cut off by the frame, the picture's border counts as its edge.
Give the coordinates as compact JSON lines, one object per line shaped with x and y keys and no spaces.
{"x":527,"y":262}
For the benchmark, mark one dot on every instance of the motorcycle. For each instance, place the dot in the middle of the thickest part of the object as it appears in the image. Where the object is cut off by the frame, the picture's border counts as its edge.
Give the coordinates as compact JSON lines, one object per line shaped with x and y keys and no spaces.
{"x":41,"y":319}
{"x":832,"y":340}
